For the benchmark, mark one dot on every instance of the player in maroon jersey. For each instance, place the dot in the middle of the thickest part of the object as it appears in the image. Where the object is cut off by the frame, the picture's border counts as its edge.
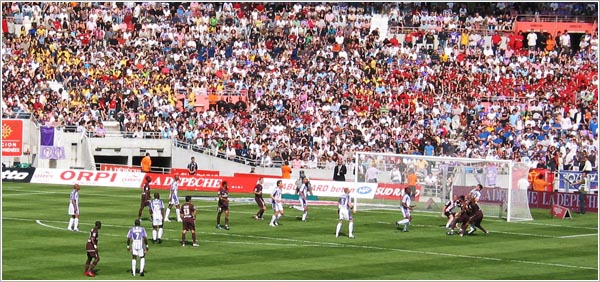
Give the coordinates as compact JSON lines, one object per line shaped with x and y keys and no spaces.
{"x":476,"y":218}
{"x":463,"y":215}
{"x":188,"y":213}
{"x":223,"y":205}
{"x":146,"y":200}
{"x":258,"y":197}
{"x":91,"y":248}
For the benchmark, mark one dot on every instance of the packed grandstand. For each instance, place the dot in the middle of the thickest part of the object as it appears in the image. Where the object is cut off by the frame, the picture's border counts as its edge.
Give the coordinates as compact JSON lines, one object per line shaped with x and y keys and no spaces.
{"x":310,"y":81}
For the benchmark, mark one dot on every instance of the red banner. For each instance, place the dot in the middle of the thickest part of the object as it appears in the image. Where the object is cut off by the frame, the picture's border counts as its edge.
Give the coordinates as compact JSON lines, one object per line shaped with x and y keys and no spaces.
{"x":560,"y":212}
{"x":390,"y":191}
{"x":114,"y":167}
{"x":536,"y":199}
{"x":12,"y":137}
{"x":203,"y":183}
{"x":199,"y":172}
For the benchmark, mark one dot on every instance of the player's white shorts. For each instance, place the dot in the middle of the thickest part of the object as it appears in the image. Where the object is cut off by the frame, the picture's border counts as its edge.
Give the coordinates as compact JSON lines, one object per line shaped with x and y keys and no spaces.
{"x":345,"y":214}
{"x":137,"y":252}
{"x":72,"y":210}
{"x":174,"y":200}
{"x":277,"y":206}
{"x":157,"y":219}
{"x":302,"y":203}
{"x":405,"y":212}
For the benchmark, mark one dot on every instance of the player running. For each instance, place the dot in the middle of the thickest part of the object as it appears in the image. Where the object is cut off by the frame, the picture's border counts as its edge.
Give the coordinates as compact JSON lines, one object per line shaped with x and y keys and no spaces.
{"x":146,"y":200}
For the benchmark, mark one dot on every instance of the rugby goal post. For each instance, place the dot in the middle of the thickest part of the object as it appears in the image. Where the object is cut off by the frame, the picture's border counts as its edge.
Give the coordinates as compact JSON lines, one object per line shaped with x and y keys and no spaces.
{"x":505,"y":183}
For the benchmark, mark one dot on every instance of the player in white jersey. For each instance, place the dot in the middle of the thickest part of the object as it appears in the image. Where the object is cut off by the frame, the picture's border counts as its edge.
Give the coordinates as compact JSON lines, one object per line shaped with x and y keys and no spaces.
{"x":277,"y":204}
{"x":476,"y":193}
{"x":137,"y":244}
{"x":406,"y":208}
{"x":74,"y":209}
{"x":173,"y":199}
{"x":345,"y":213}
{"x":303,"y":190}
{"x":158,"y":214}
{"x":474,"y":196}
{"x":448,"y":211}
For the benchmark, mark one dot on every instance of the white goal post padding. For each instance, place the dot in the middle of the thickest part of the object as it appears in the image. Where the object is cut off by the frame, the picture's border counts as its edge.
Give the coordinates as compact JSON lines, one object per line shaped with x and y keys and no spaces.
{"x":505,"y":182}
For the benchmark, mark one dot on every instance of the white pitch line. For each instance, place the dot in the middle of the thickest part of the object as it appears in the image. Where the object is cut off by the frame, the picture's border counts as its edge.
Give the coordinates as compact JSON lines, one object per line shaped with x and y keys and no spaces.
{"x":25,"y":194}
{"x":50,"y":226}
{"x":494,"y":231}
{"x":490,"y":218}
{"x":327,"y":244}
{"x":579,"y":235}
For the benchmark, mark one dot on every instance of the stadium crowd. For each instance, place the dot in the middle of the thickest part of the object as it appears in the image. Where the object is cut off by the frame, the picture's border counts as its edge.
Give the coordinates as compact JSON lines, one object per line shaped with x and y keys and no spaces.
{"x":312,"y":82}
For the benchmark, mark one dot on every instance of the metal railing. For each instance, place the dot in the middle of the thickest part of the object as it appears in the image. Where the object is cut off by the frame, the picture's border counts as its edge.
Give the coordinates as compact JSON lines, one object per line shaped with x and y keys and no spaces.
{"x":395,"y":30}
{"x":555,"y":18}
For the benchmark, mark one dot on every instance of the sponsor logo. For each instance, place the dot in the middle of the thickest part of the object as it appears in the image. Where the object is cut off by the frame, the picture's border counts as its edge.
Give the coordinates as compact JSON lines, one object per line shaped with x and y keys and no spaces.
{"x":82,"y":175}
{"x":132,"y":178}
{"x":14,"y":175}
{"x":43,"y":174}
{"x":364,"y":190}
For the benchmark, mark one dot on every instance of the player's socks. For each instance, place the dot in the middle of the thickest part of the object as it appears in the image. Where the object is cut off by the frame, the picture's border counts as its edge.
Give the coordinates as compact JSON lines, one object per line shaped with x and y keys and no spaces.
{"x":76,"y":224}
{"x":133,"y":267}
{"x":449,"y":223}
{"x":351,"y":229}
{"x":142,"y":264}
{"x":304,"y":216}
{"x":70,"y":226}
{"x":273,"y":219}
{"x":404,"y":221}
{"x":167,"y":214}
{"x":337,"y":229}
{"x":160,"y":233}
{"x":154,"y":233}
{"x":406,"y":225}
{"x":177,"y":213}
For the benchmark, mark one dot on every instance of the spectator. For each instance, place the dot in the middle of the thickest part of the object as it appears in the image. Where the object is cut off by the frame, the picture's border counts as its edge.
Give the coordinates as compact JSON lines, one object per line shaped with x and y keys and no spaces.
{"x":146,"y":163}
{"x":305,"y":104}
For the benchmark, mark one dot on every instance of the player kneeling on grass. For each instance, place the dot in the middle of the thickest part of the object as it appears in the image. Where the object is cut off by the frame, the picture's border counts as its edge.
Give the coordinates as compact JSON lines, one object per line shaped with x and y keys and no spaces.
{"x":158,"y":215}
{"x":137,"y":245}
{"x":91,"y":248}
{"x":276,"y":204}
{"x":344,"y":207}
{"x":406,"y":208}
{"x":448,"y":211}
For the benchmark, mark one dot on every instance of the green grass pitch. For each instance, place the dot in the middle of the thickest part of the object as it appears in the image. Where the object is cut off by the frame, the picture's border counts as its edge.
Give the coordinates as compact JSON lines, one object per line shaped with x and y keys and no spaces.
{"x":37,"y":246}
